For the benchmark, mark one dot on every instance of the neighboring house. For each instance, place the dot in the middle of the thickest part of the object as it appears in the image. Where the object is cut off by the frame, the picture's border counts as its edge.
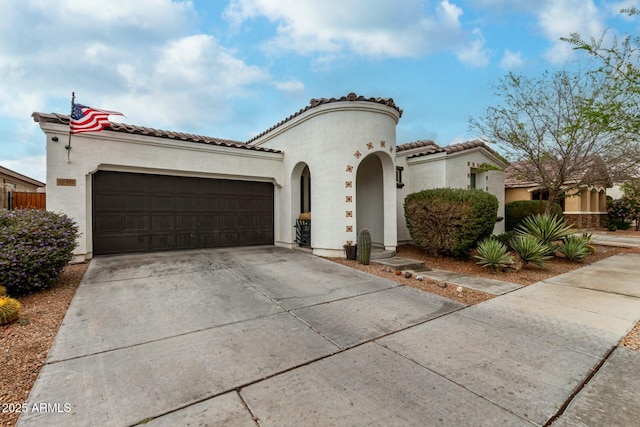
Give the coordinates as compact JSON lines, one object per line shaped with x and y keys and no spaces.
{"x":15,"y":182}
{"x":135,"y":189}
{"x":584,"y":207}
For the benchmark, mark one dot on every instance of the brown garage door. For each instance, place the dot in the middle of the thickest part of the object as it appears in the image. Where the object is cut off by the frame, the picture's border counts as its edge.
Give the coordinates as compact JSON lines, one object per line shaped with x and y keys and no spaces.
{"x":143,"y":213}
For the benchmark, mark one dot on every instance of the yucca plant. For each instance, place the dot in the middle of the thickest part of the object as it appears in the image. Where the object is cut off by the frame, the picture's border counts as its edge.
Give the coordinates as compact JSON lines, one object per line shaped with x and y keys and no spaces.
{"x":493,"y":253}
{"x":574,"y":248}
{"x":530,"y":249}
{"x":545,"y":228}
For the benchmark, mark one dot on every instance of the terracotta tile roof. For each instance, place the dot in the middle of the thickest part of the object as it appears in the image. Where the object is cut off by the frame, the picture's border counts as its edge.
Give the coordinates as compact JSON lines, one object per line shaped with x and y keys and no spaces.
{"x":141,"y":130}
{"x":315,"y":102}
{"x":428,"y":147}
{"x":426,"y":144}
{"x":520,"y":174}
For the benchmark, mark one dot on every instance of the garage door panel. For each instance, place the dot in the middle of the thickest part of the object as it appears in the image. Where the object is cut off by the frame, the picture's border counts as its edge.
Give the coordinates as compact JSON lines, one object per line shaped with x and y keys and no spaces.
{"x":163,"y":222}
{"x":163,"y":242}
{"x":141,"y":213}
{"x":110,"y":223}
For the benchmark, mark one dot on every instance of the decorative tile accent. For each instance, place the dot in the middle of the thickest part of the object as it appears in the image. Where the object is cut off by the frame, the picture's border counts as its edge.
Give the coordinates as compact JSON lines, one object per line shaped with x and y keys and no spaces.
{"x":349,"y":168}
{"x":349,"y":228}
{"x":468,"y":163}
{"x":357,"y":154}
{"x":468,"y":175}
{"x":348,"y":184}
{"x":349,"y":199}
{"x":369,"y":145}
{"x":383,"y":143}
{"x":349,"y":214}
{"x":391,"y":149}
{"x":350,"y":242}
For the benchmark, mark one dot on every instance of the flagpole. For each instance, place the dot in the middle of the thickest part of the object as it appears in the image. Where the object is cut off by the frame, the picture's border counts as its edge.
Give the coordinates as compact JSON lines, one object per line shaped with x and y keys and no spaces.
{"x":68,"y":146}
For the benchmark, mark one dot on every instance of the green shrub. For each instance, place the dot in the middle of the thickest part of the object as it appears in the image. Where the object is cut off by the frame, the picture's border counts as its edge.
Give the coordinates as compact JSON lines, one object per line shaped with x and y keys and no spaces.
{"x":530,"y":249}
{"x":515,"y":212}
{"x":449,"y":221}
{"x":575,"y":248}
{"x":545,"y":228}
{"x":493,"y":253}
{"x":621,"y":212}
{"x":35,"y":246}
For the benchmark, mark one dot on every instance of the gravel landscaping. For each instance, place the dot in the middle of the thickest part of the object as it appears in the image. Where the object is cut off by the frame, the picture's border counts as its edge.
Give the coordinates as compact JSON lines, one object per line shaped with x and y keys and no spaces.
{"x":24,"y":344}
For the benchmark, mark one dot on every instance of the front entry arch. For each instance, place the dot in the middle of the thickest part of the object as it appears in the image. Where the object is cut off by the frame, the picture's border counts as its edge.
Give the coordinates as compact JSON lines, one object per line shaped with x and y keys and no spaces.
{"x":370,"y":198}
{"x":301,"y":203}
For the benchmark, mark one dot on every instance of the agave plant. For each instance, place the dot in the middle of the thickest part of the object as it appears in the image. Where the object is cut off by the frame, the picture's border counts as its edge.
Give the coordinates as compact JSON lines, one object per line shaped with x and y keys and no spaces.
{"x":545,"y":228}
{"x":493,"y":253}
{"x":575,"y":248}
{"x":530,"y":249}
{"x":588,"y":237}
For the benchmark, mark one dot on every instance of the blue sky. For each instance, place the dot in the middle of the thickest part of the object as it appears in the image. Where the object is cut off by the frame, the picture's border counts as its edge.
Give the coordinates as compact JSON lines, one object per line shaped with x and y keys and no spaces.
{"x":232,"y":69}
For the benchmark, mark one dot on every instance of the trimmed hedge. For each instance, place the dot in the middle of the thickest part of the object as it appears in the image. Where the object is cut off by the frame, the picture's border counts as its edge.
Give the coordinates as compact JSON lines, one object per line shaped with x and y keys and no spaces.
{"x":450,"y":221}
{"x":515,"y":212}
{"x":35,"y":245}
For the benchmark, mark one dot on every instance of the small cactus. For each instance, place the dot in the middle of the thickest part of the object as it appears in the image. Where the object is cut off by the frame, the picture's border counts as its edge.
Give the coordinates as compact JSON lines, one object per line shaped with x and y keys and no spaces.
{"x":364,"y":246}
{"x":9,"y":310}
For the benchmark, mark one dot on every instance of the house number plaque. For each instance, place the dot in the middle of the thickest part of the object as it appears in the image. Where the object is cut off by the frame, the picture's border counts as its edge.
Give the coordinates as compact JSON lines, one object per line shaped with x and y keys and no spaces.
{"x":66,"y":182}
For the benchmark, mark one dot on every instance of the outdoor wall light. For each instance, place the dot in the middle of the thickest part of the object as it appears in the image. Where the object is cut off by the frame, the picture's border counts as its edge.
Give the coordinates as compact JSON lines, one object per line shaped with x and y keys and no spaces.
{"x":54,"y":139}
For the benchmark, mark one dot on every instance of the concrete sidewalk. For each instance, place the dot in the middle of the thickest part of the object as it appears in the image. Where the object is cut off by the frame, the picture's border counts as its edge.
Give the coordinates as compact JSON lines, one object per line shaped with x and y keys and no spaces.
{"x":609,"y":239}
{"x":228,"y":337}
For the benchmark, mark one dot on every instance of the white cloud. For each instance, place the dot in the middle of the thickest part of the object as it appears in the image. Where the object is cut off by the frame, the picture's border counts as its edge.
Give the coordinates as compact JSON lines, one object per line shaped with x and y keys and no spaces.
{"x":332,"y":29}
{"x":292,"y":86}
{"x":136,"y":57}
{"x":474,"y":53}
{"x":560,"y":18}
{"x":511,"y":60}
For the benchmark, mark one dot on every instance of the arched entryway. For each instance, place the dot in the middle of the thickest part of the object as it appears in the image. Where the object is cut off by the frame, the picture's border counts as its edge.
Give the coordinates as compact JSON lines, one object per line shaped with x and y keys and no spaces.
{"x":370,"y":198}
{"x":301,"y":203}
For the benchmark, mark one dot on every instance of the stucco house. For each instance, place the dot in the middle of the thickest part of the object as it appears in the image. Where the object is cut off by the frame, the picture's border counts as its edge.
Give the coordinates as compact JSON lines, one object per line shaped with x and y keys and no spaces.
{"x":13,"y":181}
{"x":583,"y":207}
{"x":136,"y":189}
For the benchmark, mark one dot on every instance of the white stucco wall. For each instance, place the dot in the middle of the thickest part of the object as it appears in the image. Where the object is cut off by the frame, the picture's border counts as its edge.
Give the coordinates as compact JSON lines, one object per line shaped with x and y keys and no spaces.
{"x":117,"y":151}
{"x":332,"y":139}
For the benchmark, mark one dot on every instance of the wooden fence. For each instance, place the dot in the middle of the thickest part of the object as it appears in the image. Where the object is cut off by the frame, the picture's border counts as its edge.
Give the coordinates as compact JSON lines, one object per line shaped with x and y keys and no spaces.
{"x":23,"y":200}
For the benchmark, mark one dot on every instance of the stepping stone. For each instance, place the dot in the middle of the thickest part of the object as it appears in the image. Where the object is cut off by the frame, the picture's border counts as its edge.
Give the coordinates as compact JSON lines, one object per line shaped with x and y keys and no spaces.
{"x":399,"y":263}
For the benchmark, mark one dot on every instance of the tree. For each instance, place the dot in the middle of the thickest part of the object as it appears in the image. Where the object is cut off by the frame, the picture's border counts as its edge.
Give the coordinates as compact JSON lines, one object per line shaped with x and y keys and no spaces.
{"x":559,"y":129}
{"x":619,"y":65}
{"x":631,"y":200}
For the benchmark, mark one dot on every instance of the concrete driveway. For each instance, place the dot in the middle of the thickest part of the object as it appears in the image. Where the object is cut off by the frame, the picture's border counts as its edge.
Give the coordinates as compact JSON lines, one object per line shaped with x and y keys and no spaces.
{"x":278,"y":337}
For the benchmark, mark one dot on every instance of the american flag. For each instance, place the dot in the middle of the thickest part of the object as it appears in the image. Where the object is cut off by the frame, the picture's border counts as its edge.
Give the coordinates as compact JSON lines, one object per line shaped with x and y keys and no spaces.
{"x":87,"y":119}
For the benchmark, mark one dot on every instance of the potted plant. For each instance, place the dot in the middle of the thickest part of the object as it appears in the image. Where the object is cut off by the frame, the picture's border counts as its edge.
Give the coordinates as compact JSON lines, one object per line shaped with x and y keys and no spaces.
{"x":350,"y":250}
